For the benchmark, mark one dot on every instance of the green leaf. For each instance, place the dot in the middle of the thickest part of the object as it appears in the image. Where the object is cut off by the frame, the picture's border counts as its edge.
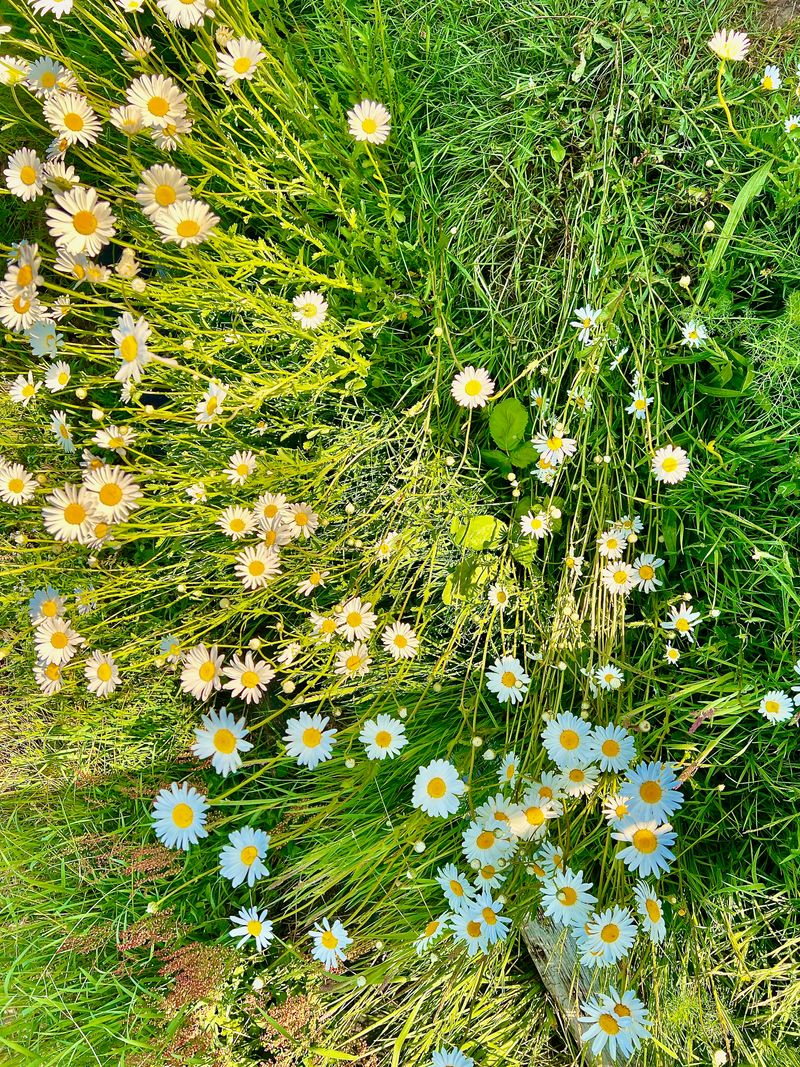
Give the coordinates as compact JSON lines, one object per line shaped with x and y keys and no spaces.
{"x":557,"y":150}
{"x":525,"y":552}
{"x":498,"y":460}
{"x":507,"y":423}
{"x":524,"y":456}
{"x":463,"y":580}
{"x":481,"y":531}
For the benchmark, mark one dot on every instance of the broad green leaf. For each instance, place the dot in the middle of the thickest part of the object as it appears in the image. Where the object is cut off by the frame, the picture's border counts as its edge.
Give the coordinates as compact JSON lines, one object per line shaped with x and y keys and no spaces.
{"x":557,"y":150}
{"x":524,"y":456}
{"x":498,"y":460}
{"x":481,"y":531}
{"x":507,"y":423}
{"x":463,"y":580}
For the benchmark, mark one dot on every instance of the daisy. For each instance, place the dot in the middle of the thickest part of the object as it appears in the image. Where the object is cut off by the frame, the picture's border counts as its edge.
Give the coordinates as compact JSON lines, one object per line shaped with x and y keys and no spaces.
{"x":80,"y":222}
{"x":21,"y":279}
{"x":654,"y":792}
{"x":222,"y":740}
{"x":13,"y":71}
{"x":670,"y":465}
{"x":555,"y":448}
{"x":211,"y":404}
{"x":102,"y":673}
{"x":186,"y":222}
{"x":301,"y":520}
{"x":169,"y":137}
{"x":612,"y":747}
{"x":116,"y":493}
{"x":160,"y":187}
{"x":184,"y":13}
{"x":70,"y":514}
{"x":488,"y":911}
{"x":386,"y":547}
{"x":433,"y":930}
{"x":23,"y":174}
{"x":551,"y":857}
{"x":632,"y":1015}
{"x":682,"y":620}
{"x":437,"y":788}
{"x":48,"y":677}
{"x":400,"y":641}
{"x":276,"y":534}
{"x":170,"y":648}
{"x":356,"y":620}
{"x":467,"y":927}
{"x":618,"y":578}
{"x":548,"y":788}
{"x":248,"y":678}
{"x":645,"y":567}
{"x":179,"y":816}
{"x":130,"y":338}
{"x":486,"y":844}
{"x":70,"y":117}
{"x":52,"y":7}
{"x":200,"y":676}
{"x":671,"y":654}
{"x":530,"y":819}
{"x":61,"y":430}
{"x":647,"y":847}
{"x":567,"y":739}
{"x":270,"y":507}
{"x":353,"y":662}
{"x":382,"y":737}
{"x":311,"y":310}
{"x":308,"y":741}
{"x":128,"y":120}
{"x":236,"y":522}
{"x":603,"y":1031}
{"x":23,"y":389}
{"x":59,"y":177}
{"x":116,"y":439}
{"x":256,"y":566}
{"x":616,"y":809}
{"x":240,"y":466}
{"x":585,"y":321}
{"x":324,"y":626}
{"x":57,"y":376}
{"x":776,"y":706}
{"x":250,"y":922}
{"x":507,"y":680}
{"x":369,"y":121}
{"x":309,"y":585}
{"x":489,"y":877}
{"x":574,"y":565}
{"x":239,"y":60}
{"x":19,"y":312}
{"x":639,"y":404}
{"x":497,"y":811}
{"x":450,"y":1057}
{"x":611,"y":544}
{"x":242,"y":859}
{"x":579,"y":780}
{"x":730,"y":45}
{"x":56,"y":641}
{"x":499,"y":596}
{"x":330,"y":941}
{"x":535,"y":525}
{"x":607,"y":937}
{"x":693,"y":334}
{"x":608,"y":676}
{"x":75,"y":267}
{"x":457,"y":890}
{"x":45,"y":604}
{"x":651,"y":911}
{"x":792,"y":123}
{"x":472,"y":387}
{"x":567,"y":899}
{"x":507,"y":772}
{"x":158,"y":98}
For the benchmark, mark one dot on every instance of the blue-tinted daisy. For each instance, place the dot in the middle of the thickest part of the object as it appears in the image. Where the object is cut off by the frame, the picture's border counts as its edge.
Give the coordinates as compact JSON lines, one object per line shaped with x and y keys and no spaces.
{"x":567,"y":738}
{"x":651,"y":911}
{"x":179,"y":816}
{"x":647,"y":847}
{"x":242,"y":859}
{"x":567,"y":899}
{"x":329,"y":943}
{"x":654,"y":792}
{"x":455,"y":886}
{"x":251,"y":923}
{"x":607,"y":937}
{"x":612,"y":747}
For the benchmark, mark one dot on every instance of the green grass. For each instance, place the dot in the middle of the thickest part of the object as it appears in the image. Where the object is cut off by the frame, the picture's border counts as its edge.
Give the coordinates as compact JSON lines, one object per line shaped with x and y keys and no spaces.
{"x":540,"y":158}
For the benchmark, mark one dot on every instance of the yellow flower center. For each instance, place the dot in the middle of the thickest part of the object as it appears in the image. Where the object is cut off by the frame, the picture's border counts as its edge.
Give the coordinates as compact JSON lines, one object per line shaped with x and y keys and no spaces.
{"x":249,"y":679}
{"x":27,"y":175}
{"x":456,"y":888}
{"x":567,"y":896}
{"x":353,"y":662}
{"x":254,"y":927}
{"x":669,"y":464}
{"x":646,"y":572}
{"x":24,"y":275}
{"x":431,"y":928}
{"x":610,"y":747}
{"x":74,"y":514}
{"x":369,"y":125}
{"x":354,"y":620}
{"x":534,"y":815}
{"x":301,"y":518}
{"x":508,"y":679}
{"x":383,"y":739}
{"x":158,"y":106}
{"x":84,"y":222}
{"x":437,"y":788}
{"x":164,"y":195}
{"x":645,"y":841}
{"x":554,"y":443}
{"x":241,"y":65}
{"x":485,"y":839}
{"x":311,"y":737}
{"x":472,"y":387}
{"x":653,"y":910}
{"x":53,"y":672}
{"x":224,"y":741}
{"x":21,"y":305}
{"x":620,"y":577}
{"x":187,"y":228}
{"x":73,"y":121}
{"x":608,"y":1024}
{"x":329,"y":940}
{"x":110,"y":494}
{"x":248,"y":855}
{"x":569,"y":739}
{"x":651,"y":792}
{"x":182,"y":816}
{"x":129,"y":348}
{"x":772,"y":707}
{"x":256,"y":568}
{"x":104,"y":672}
{"x":474,"y":928}
{"x":59,"y":639}
{"x":208,"y":670}
{"x":489,"y":916}
{"x":47,"y":80}
{"x":609,"y":933}
{"x":16,"y":485}
{"x":682,"y":624}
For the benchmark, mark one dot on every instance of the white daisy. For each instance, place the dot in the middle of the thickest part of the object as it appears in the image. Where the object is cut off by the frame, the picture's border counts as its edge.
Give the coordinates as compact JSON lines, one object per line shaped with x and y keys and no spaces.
{"x":23,"y":389}
{"x":535,"y":525}
{"x":639,"y":404}
{"x":102,"y":673}
{"x":507,"y":680}
{"x":57,"y":376}
{"x":23,"y":174}
{"x":221,"y":739}
{"x":130,"y":340}
{"x":730,"y":45}
{"x":248,"y":678}
{"x":567,"y":739}
{"x":457,"y":890}
{"x":693,"y":334}
{"x":242,"y":859}
{"x":211,"y":404}
{"x":116,"y":493}
{"x":776,"y":706}
{"x":200,"y":676}
{"x":307,"y":740}
{"x":45,"y":604}
{"x":400,"y":641}
{"x":507,"y":771}
{"x":437,"y":788}
{"x":251,"y":923}
{"x":186,"y":222}
{"x":651,"y":911}
{"x":369,"y":121}
{"x":682,"y":620}
{"x":472,"y":387}
{"x":236,"y":522}
{"x":56,"y":641}
{"x":239,"y":60}
{"x":69,"y":116}
{"x":356,"y":619}
{"x":654,"y":792}
{"x":670,"y":465}
{"x":158,"y":98}
{"x":353,"y":662}
{"x":70,"y":514}
{"x":612,"y":747}
{"x":240,"y":466}
{"x":383,"y":736}
{"x":185,"y":13}
{"x":567,"y":899}
{"x":607,"y":937}
{"x":160,"y":187}
{"x":48,"y":677}
{"x":647,"y":847}
{"x":487,"y":844}
{"x":612,"y":544}
{"x":645,"y":567}
{"x":179,"y":816}
{"x":329,"y":943}
{"x":301,"y":520}
{"x":618,"y":577}
{"x":80,"y":222}
{"x":256,"y":566}
{"x":585,"y":321}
